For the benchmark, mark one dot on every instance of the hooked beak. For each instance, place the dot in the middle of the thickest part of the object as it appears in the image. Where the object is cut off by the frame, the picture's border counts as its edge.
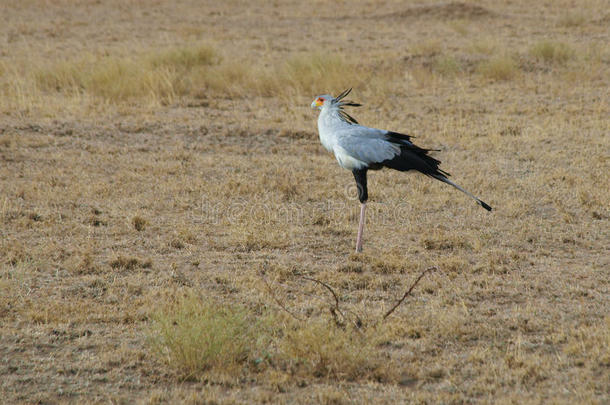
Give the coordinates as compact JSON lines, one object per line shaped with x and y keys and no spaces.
{"x":316,"y":104}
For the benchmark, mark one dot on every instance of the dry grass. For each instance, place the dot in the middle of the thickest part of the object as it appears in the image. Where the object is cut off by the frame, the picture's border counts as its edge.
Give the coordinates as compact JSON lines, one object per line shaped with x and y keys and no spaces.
{"x":552,"y":52}
{"x":447,"y":65}
{"x":194,"y":336}
{"x":199,"y":340}
{"x":139,"y":223}
{"x":157,"y":77}
{"x":572,"y":19}
{"x":321,"y":349}
{"x":500,"y":67}
{"x":163,"y":194}
{"x":161,"y":77}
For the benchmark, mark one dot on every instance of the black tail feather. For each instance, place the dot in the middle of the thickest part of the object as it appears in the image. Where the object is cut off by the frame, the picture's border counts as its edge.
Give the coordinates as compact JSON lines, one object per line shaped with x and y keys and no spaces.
{"x":469,"y":194}
{"x":487,"y":207}
{"x":413,"y":157}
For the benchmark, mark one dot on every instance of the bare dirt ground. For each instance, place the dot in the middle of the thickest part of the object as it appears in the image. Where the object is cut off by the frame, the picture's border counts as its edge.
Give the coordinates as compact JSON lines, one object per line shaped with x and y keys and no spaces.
{"x":156,"y":150}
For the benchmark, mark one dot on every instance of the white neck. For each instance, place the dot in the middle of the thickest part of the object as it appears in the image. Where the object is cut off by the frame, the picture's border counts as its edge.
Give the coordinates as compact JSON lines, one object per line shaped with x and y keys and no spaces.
{"x":328,"y":122}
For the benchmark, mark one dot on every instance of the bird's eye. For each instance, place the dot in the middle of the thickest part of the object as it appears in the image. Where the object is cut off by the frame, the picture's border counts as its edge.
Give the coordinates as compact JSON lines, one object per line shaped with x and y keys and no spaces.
{"x":320,"y":100}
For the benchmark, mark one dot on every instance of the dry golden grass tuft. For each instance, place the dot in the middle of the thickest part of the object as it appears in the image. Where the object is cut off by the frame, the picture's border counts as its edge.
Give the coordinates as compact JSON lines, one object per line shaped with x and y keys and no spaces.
{"x":320,"y":349}
{"x":429,"y":47}
{"x":185,"y":58}
{"x":129,"y":263}
{"x":447,"y":65}
{"x":552,"y":52}
{"x":499,"y":68}
{"x":139,"y":223}
{"x":157,"y":77}
{"x":194,"y":336}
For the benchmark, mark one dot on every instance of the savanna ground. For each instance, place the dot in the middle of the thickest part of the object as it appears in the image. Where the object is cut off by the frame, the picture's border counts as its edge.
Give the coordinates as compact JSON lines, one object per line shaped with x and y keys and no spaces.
{"x":164,"y":199}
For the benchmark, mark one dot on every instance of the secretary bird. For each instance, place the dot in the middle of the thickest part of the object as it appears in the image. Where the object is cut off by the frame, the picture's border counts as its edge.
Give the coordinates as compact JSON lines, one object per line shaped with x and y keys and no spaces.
{"x":359,"y":149}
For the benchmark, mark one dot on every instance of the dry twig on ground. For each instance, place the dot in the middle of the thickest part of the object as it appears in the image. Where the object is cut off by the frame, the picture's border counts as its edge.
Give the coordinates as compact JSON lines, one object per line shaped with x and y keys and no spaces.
{"x":408,"y":291}
{"x":277,"y":301}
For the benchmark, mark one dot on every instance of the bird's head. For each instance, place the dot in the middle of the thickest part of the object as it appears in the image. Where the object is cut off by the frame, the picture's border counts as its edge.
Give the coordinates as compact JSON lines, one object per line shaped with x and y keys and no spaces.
{"x":337,"y":103}
{"x":321,"y":101}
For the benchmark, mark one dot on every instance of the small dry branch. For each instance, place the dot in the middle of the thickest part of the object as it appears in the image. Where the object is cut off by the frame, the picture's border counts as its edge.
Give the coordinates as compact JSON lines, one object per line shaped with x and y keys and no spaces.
{"x":429,"y":269}
{"x":277,"y":301}
{"x":334,"y":310}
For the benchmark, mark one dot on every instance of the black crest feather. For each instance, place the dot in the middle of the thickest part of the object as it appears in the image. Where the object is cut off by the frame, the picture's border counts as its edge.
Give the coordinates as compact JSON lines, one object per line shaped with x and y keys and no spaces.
{"x":343,"y":94}
{"x":347,"y":103}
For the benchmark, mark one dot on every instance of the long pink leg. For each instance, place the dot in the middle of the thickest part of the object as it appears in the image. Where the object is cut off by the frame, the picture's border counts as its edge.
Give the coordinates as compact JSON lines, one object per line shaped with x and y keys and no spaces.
{"x":360,"y":229}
